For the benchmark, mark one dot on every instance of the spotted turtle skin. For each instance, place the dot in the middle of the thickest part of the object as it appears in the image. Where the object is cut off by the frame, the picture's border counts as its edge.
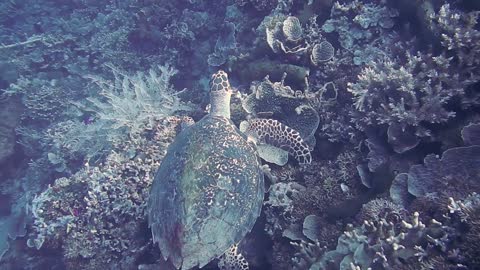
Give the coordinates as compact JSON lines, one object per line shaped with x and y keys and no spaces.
{"x":209,"y":188}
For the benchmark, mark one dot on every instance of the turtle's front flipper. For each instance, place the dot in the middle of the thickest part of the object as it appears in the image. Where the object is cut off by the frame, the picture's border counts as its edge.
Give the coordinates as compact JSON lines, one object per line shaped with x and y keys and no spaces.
{"x":277,"y":134}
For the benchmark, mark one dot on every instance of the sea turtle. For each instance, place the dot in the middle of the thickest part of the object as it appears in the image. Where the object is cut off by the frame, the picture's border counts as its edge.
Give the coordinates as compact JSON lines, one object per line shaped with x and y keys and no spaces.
{"x":209,"y":188}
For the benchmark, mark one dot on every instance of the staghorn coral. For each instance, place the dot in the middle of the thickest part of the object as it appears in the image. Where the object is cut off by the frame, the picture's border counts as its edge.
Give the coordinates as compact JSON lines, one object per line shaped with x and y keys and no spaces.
{"x":96,"y":214}
{"x":417,"y":88}
{"x":460,"y":38}
{"x":306,"y":255}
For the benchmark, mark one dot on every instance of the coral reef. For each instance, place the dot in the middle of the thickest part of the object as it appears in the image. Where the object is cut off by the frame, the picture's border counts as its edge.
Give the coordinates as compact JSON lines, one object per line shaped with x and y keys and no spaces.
{"x":455,"y":174}
{"x":380,"y":208}
{"x":471,"y":134}
{"x":95,"y":215}
{"x":224,"y":46}
{"x":390,"y":93}
{"x":362,"y":29}
{"x":135,"y":101}
{"x":467,"y":212}
{"x":384,"y":244}
{"x":322,"y":52}
{"x":382,"y":89}
{"x":260,"y":5}
{"x":460,"y":37}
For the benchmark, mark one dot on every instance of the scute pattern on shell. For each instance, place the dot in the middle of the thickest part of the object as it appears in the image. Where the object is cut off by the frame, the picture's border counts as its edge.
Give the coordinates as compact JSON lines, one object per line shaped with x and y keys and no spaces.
{"x":206,"y":194}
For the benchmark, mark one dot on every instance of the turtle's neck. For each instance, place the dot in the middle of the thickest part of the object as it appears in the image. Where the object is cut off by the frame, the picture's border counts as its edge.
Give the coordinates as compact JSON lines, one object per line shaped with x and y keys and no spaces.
{"x":220,"y":103}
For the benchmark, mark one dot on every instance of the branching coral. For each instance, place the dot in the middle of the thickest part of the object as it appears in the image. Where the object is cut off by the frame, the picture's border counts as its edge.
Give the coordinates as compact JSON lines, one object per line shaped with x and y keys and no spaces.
{"x":460,"y":38}
{"x":418,"y":88}
{"x":390,"y":93}
{"x":383,"y":245}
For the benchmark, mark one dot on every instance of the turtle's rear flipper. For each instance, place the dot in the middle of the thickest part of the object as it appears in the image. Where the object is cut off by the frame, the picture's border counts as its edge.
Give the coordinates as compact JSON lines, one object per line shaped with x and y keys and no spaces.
{"x":233,"y":260}
{"x":277,"y":134}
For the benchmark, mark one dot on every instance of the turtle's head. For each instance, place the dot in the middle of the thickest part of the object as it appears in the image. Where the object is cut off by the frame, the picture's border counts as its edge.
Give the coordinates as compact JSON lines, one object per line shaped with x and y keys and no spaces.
{"x":220,"y":93}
